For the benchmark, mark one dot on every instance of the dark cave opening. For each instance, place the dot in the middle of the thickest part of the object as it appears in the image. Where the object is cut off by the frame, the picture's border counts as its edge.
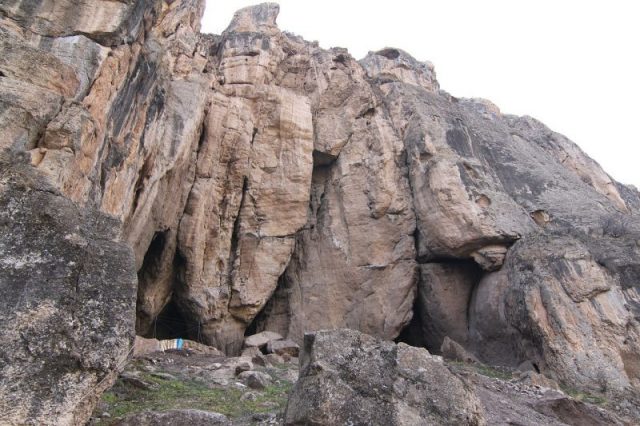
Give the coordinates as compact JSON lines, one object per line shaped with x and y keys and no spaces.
{"x":322,"y":159}
{"x":171,"y":324}
{"x":275,"y":314}
{"x":153,"y":257}
{"x":412,"y":334}
{"x":159,"y":267}
{"x":442,"y":307}
{"x":253,"y":327}
{"x":389,"y":53}
{"x":147,"y":275}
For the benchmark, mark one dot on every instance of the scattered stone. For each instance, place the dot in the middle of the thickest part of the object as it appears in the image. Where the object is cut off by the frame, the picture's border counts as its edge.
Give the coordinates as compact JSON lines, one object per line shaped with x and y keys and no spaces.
{"x":259,"y":360}
{"x":251,"y":351}
{"x":260,"y":340}
{"x":535,"y":379}
{"x":249,"y":396}
{"x":243,"y":366}
{"x":283,"y":348}
{"x":265,"y":418}
{"x":135,"y":381}
{"x":184,"y":417}
{"x":255,"y":379}
{"x":453,"y":350}
{"x":164,"y":376}
{"x":274,"y":359}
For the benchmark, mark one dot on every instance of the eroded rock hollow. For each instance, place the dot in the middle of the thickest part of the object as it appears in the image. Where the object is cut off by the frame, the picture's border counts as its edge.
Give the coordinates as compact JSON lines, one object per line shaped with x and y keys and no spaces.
{"x":265,"y":183}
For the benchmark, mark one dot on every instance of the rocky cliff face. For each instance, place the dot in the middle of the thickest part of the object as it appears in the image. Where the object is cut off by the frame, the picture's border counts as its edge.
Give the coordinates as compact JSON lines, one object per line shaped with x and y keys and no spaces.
{"x":264,"y":183}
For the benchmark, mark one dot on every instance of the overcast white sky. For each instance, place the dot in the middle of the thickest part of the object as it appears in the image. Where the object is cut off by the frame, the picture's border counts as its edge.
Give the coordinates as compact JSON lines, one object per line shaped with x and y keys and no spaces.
{"x":575,"y":65}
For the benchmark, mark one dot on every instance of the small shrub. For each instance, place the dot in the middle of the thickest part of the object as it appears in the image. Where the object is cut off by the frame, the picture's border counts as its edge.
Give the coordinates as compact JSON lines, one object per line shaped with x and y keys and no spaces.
{"x":615,"y":225}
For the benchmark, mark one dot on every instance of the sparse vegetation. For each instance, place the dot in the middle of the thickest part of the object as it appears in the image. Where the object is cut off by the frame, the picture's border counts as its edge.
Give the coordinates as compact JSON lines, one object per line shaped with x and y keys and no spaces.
{"x":615,"y":226}
{"x":166,"y":394}
{"x":485,"y":370}
{"x":584,"y":396}
{"x":494,"y":372}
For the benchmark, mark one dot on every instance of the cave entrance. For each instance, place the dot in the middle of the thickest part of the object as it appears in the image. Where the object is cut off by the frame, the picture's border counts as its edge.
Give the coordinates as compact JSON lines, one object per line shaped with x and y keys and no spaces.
{"x":172,"y":324}
{"x":275,"y":315}
{"x":158,"y":278}
{"x":412,"y":334}
{"x":443,"y":303}
{"x":152,"y":263}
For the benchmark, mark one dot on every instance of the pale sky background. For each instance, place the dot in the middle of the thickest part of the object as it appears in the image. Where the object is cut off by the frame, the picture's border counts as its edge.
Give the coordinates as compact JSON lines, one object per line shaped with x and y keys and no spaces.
{"x":575,"y":65}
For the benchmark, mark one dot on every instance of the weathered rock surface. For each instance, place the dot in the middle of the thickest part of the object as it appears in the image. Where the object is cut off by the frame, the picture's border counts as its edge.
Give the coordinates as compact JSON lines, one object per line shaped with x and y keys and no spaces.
{"x":174,"y":417}
{"x":491,"y":188}
{"x":179,"y":381}
{"x":283,"y":348}
{"x":261,"y":339}
{"x":347,"y":377}
{"x":560,"y":306}
{"x":444,"y":292}
{"x":265,"y":183}
{"x":67,"y":305}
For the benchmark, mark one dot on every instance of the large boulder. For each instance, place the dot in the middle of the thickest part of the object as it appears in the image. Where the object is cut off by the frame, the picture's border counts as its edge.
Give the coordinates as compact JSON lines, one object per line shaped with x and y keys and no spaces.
{"x":560,"y":305}
{"x":67,"y":311}
{"x":261,"y":339}
{"x":347,"y":377}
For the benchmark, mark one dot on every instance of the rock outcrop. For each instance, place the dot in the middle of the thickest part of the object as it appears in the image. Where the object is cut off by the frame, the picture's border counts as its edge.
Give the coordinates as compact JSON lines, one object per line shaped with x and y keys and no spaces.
{"x":265,"y":183}
{"x":68,"y":300}
{"x":347,"y":377}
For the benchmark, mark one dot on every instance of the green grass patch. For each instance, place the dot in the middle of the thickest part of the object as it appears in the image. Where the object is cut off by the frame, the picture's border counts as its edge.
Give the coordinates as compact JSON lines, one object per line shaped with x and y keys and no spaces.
{"x":494,"y":373}
{"x":501,"y":373}
{"x":175,"y":394}
{"x":584,"y":396}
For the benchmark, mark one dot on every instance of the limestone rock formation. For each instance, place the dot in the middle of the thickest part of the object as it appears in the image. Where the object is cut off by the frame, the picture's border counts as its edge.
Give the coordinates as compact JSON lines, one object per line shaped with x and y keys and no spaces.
{"x":265,"y":183}
{"x":347,"y":377}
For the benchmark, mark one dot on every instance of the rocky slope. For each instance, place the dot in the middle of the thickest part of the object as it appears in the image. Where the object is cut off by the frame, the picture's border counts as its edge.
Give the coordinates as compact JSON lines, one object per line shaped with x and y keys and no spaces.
{"x":265,"y":183}
{"x":345,"y":377}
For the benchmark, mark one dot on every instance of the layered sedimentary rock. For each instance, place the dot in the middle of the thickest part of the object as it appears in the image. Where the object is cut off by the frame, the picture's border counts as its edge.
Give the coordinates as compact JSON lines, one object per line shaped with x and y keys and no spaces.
{"x":265,"y":183}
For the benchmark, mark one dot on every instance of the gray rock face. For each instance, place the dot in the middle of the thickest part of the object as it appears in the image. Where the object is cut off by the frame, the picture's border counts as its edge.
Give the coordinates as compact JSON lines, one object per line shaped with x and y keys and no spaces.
{"x":110,"y":22}
{"x":67,"y":305}
{"x":347,"y":377}
{"x":563,"y":310}
{"x":490,"y":188}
